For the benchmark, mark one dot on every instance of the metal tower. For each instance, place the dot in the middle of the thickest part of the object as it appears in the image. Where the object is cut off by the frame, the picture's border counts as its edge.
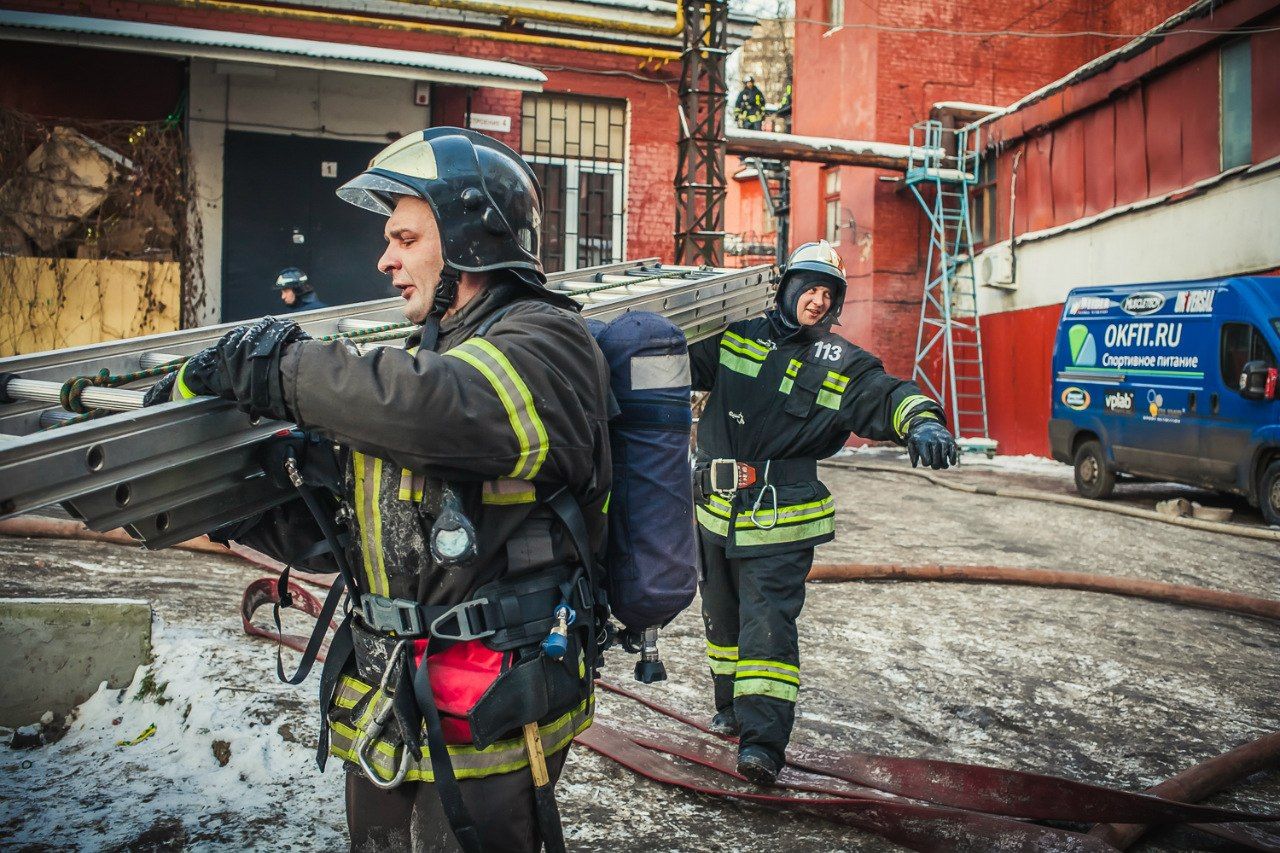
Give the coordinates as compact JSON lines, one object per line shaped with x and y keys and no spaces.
{"x":700,"y":179}
{"x":942,"y":168}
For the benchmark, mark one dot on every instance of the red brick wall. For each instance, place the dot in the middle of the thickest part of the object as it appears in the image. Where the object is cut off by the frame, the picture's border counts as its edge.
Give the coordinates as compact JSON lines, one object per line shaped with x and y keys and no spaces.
{"x":651,"y":95}
{"x":861,"y":83}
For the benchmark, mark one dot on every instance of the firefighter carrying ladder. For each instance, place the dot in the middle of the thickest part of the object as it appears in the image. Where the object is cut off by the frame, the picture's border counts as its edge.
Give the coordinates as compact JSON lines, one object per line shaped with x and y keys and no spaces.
{"x":942,"y":168}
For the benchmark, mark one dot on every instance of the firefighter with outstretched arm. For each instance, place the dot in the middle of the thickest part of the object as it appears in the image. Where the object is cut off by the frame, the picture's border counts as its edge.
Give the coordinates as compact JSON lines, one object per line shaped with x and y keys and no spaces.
{"x":786,"y":391}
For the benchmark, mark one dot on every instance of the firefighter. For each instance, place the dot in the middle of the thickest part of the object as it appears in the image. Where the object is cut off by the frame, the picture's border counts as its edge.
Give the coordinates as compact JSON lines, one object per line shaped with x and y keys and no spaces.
{"x":748,"y":110}
{"x":474,"y":473}
{"x":295,"y":292}
{"x":786,"y":391}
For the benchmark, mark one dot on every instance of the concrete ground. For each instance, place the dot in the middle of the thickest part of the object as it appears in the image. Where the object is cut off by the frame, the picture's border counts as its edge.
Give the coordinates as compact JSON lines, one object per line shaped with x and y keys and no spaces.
{"x":1099,"y":688}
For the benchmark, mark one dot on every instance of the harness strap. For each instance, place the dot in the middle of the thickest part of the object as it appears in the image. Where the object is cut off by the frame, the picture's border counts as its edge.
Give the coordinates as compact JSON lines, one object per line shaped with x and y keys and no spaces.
{"x":455,"y":809}
{"x":341,"y":650}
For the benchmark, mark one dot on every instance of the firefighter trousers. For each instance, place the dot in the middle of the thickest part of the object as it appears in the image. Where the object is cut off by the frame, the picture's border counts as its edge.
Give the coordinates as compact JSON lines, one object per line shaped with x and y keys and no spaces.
{"x":411,"y":818}
{"x":749,"y":607}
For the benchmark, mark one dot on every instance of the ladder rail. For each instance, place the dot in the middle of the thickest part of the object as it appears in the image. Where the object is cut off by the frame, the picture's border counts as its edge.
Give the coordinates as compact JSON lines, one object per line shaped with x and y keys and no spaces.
{"x":943,"y":165}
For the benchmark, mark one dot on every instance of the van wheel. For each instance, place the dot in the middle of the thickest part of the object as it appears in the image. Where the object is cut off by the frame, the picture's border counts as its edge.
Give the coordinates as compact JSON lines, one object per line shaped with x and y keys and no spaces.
{"x":1094,"y":479}
{"x":1269,"y":493}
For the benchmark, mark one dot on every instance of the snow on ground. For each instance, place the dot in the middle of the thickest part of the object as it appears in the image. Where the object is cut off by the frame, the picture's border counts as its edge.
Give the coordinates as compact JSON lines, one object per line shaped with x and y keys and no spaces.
{"x":211,"y":775}
{"x":1028,"y":464}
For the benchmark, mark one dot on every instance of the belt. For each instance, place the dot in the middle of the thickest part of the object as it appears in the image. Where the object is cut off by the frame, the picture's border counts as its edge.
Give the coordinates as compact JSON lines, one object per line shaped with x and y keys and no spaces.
{"x":725,"y":477}
{"x":509,"y":614}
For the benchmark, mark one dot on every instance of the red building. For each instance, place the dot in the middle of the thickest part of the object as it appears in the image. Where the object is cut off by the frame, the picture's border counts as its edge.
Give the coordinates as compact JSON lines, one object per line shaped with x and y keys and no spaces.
{"x":1161,"y":163}
{"x":279,"y":103}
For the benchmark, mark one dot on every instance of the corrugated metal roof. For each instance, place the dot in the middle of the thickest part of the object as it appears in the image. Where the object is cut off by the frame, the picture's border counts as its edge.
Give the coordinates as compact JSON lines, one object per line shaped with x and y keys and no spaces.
{"x":221,"y":44}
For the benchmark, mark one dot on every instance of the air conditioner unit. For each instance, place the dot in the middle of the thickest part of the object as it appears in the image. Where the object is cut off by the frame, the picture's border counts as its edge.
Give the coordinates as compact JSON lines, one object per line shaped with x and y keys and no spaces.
{"x":995,"y":267}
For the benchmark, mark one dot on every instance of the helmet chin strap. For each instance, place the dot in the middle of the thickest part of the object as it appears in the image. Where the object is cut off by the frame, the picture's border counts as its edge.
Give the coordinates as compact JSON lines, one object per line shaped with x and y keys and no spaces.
{"x":441,"y":302}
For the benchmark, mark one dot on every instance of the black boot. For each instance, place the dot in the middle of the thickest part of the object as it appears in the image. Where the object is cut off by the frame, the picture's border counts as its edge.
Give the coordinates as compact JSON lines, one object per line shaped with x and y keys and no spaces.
{"x":725,"y":722}
{"x":758,"y":764}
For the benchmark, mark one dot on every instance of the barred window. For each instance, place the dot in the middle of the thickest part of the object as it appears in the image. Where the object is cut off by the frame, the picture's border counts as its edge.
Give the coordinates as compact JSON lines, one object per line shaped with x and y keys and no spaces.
{"x":577,"y":147}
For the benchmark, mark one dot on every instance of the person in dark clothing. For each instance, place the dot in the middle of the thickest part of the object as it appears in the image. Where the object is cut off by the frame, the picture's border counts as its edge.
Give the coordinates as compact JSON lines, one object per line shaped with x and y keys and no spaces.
{"x":748,"y":110}
{"x":786,"y":391}
{"x":295,"y":292}
{"x":495,"y":412}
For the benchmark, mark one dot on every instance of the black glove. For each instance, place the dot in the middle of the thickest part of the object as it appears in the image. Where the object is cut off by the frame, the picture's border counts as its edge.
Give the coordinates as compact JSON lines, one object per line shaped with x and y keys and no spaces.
{"x":316,"y":461}
{"x":162,"y":391}
{"x":194,"y":371}
{"x":929,"y":442}
{"x":245,"y":367}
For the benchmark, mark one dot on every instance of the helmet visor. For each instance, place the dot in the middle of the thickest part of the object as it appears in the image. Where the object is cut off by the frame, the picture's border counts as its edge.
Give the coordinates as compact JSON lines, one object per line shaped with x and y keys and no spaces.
{"x":374,"y":192}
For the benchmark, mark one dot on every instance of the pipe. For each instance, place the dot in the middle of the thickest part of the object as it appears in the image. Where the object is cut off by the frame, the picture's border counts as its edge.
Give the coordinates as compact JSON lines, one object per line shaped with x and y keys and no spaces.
{"x":513,"y":11}
{"x":39,"y":391}
{"x":1191,"y":596}
{"x":836,"y":152}
{"x":646,"y":54}
{"x":1267,"y":534}
{"x":1196,"y":783}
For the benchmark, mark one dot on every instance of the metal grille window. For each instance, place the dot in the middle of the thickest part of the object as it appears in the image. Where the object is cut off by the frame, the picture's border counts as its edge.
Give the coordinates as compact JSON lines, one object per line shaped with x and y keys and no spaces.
{"x":577,"y":147}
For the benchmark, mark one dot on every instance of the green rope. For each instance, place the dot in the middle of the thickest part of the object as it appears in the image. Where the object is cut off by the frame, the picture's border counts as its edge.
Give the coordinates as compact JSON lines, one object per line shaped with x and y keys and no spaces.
{"x":640,"y":280}
{"x":71,"y":391}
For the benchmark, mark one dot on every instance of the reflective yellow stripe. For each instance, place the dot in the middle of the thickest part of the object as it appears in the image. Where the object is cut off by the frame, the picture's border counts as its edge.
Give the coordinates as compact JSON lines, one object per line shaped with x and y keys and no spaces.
{"x":793,"y":367}
{"x":722,"y":652}
{"x":902,"y":414}
{"x":716,"y":525}
{"x":783,"y":534}
{"x":531,"y":435}
{"x":738,"y":364}
{"x":369,"y":520}
{"x":788,"y":514}
{"x":828,"y":400}
{"x":506,"y":492}
{"x":504,"y":756}
{"x":745,"y":345}
{"x":836,"y":382}
{"x":739,"y":672}
{"x":723,"y":660}
{"x":771,"y":664}
{"x":180,"y":385}
{"x":765,"y":687}
{"x":721,"y":667}
{"x":412,"y":485}
{"x":786,"y":385}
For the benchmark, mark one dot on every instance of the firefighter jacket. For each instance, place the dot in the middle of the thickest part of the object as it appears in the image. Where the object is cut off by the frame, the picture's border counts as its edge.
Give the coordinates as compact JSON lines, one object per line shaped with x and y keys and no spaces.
{"x":748,"y":110}
{"x":504,"y":418}
{"x":798,"y":396}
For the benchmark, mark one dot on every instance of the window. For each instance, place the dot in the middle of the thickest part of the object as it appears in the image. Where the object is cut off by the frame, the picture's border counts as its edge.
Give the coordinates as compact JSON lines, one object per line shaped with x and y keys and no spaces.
{"x":984,"y":204}
{"x":577,"y":147}
{"x":835,"y":13}
{"x":1237,"y":106}
{"x":1242,"y":343}
{"x":831,"y":205}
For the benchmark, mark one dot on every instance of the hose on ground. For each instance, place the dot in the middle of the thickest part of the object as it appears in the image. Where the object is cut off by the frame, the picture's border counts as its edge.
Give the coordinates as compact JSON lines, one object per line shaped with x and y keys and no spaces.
{"x":1066,"y":500}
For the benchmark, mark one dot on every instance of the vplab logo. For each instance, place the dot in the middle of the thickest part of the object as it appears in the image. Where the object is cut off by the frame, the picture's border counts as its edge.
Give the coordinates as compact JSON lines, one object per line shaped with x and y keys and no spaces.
{"x":1139,"y":304}
{"x":1075,"y":398}
{"x":1118,"y":402}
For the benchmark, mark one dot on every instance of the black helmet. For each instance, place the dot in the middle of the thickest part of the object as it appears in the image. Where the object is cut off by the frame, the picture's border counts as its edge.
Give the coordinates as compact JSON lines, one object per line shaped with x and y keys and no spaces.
{"x":292,"y":278}
{"x":809,"y":265}
{"x":485,"y":198}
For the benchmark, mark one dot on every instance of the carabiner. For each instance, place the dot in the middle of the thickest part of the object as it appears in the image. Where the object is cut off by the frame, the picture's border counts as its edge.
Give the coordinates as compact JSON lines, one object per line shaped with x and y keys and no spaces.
{"x":368,"y":736}
{"x":773,"y":494}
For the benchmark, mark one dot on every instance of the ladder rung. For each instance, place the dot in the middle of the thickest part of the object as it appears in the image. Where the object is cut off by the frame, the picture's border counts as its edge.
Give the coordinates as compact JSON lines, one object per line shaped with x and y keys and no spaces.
{"x":975,"y":414}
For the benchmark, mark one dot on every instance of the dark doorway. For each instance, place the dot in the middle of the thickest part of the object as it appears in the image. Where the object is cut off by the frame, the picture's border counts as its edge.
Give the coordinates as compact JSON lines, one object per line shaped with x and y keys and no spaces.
{"x":279,"y":210}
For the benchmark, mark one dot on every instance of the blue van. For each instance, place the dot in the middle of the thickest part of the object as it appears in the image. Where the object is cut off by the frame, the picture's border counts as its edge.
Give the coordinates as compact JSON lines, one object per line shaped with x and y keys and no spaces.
{"x":1171,"y":382}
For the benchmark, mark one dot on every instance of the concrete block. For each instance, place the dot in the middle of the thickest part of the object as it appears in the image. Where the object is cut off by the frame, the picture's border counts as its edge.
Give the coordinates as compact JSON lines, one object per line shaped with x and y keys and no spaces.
{"x":58,"y":650}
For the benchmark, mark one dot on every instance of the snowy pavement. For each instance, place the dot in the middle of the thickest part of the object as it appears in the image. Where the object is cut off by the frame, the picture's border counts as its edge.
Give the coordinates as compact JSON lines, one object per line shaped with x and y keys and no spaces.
{"x":1096,"y":687}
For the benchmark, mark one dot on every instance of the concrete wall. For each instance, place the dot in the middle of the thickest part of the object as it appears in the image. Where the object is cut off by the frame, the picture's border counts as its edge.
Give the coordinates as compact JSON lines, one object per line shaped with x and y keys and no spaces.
{"x":287,"y":101}
{"x":57,"y":652}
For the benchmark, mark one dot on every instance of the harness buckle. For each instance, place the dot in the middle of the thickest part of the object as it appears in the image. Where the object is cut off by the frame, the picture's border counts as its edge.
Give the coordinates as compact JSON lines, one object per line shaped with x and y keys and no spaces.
{"x":396,"y":616}
{"x":727,"y":476}
{"x":469,"y":618}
